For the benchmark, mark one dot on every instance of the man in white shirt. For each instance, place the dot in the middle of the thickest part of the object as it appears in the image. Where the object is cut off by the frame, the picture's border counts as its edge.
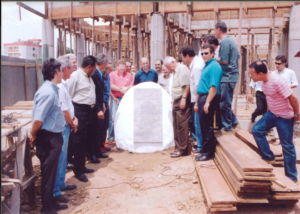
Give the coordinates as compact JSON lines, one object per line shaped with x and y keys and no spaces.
{"x":261,"y":101}
{"x":82,"y":92}
{"x":196,"y":65}
{"x":288,"y":74}
{"x":71,"y":123}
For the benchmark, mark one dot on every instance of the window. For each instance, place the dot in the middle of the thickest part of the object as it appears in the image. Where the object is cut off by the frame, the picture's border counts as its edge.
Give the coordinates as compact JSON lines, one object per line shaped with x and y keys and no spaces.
{"x":16,"y":48}
{"x":32,"y":48}
{"x":33,"y":54}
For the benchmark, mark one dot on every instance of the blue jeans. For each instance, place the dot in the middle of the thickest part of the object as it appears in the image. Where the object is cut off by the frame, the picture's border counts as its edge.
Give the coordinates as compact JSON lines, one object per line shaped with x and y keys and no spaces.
{"x":285,"y":129}
{"x":112,"y":114}
{"x":197,"y":135}
{"x":62,"y":164}
{"x":228,"y":119}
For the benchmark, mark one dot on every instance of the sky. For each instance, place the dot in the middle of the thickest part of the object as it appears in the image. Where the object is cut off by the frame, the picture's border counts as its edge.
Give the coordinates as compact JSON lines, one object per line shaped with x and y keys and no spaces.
{"x":30,"y":26}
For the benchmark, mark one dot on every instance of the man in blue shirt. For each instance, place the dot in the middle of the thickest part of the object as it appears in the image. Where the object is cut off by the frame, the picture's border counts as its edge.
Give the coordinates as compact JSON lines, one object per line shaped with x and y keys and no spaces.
{"x":47,"y":127}
{"x":146,"y":74}
{"x":208,"y":96}
{"x":106,"y":95}
{"x":228,"y":59}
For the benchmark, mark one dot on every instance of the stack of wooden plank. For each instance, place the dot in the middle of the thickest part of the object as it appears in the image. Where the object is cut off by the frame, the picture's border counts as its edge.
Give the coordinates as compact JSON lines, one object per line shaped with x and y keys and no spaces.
{"x":217,"y":193}
{"x":248,"y":138}
{"x":248,"y":176}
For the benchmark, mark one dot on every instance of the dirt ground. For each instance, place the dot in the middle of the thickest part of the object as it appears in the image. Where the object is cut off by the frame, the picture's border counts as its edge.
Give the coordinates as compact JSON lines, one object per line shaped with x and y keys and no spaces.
{"x":161,"y":185}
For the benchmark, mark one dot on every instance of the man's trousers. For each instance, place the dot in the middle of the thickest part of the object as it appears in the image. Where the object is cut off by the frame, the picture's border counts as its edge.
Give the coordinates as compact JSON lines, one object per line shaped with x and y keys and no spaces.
{"x":261,"y":105}
{"x":48,"y":148}
{"x":207,"y":124}
{"x":181,"y":119}
{"x":81,"y":145}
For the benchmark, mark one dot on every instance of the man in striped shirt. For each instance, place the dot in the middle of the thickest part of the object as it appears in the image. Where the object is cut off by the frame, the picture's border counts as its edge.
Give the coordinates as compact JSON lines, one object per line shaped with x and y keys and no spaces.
{"x":283,"y":112}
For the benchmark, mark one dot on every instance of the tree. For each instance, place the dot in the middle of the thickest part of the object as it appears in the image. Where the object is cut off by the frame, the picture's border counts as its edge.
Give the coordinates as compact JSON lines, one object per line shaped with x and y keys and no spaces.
{"x":68,"y":50}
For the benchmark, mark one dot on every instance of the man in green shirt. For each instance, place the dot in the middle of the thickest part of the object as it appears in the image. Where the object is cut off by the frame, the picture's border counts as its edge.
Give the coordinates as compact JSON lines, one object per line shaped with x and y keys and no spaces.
{"x":208,"y":97}
{"x":181,"y":112}
{"x":228,"y":59}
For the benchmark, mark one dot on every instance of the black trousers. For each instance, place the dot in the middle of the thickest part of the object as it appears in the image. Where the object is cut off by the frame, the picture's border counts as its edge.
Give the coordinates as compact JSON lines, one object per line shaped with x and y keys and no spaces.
{"x":48,"y":148}
{"x":207,"y":124}
{"x":80,"y":139}
{"x":105,"y":125}
{"x":261,"y":105}
{"x":192,"y":124}
{"x":95,"y":135}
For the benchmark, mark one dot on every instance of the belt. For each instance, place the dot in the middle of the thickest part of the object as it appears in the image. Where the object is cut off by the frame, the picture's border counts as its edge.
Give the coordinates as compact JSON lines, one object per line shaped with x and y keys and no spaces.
{"x":84,"y":105}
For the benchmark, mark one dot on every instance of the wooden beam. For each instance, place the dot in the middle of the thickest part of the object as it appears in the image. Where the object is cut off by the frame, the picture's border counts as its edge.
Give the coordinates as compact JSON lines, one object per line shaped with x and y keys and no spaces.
{"x":252,"y":48}
{"x":46,"y":9}
{"x":31,"y":10}
{"x":65,"y":42}
{"x":20,"y":12}
{"x":247,"y":66}
{"x":105,"y":9}
{"x":119,"y":41}
{"x":180,"y":7}
{"x":110,"y":40}
{"x":238,"y":87}
{"x":140,"y":43}
{"x":127,"y":54}
{"x":273,"y":39}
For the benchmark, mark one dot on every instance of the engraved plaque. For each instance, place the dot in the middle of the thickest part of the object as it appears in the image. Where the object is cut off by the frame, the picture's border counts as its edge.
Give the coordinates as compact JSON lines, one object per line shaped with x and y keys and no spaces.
{"x":148,"y":124}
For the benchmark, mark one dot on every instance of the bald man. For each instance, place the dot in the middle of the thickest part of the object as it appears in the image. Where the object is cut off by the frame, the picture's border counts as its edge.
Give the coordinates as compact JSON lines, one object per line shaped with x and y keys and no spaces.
{"x":146,"y":74}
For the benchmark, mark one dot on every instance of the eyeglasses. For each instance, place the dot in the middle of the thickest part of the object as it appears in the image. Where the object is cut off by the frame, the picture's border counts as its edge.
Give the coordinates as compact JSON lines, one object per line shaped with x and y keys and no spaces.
{"x":278,"y":63}
{"x":205,"y":53}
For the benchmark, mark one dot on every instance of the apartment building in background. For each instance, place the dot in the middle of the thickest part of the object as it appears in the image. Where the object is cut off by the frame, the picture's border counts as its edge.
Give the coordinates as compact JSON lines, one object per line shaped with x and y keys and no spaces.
{"x":30,"y":49}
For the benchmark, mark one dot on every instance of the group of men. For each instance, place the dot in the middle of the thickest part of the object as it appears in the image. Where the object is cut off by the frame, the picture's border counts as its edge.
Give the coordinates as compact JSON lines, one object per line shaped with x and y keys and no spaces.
{"x":74,"y":108}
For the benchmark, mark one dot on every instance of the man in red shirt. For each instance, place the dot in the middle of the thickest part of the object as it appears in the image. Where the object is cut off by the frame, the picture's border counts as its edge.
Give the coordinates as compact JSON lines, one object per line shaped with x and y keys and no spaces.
{"x":120,"y":82}
{"x":283,"y":112}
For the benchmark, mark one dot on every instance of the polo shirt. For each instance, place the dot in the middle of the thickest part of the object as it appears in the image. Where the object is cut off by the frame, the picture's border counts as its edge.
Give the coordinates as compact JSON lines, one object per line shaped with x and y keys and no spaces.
{"x":82,"y":88}
{"x":181,"y":78}
{"x":289,"y":75}
{"x":46,"y":108}
{"x":277,"y":91}
{"x":106,"y":83}
{"x":229,"y":53}
{"x":210,"y":76}
{"x":196,"y":68}
{"x":120,"y":81}
{"x":142,"y":76}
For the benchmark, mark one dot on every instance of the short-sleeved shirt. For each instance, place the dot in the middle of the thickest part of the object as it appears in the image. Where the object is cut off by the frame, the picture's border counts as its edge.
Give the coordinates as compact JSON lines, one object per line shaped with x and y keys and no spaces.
{"x":277,"y":91}
{"x":181,"y":78}
{"x":196,"y":68}
{"x":256,"y":85}
{"x":142,"y":76}
{"x":65,"y":98}
{"x":120,"y":81}
{"x":229,"y":53}
{"x":289,"y":75}
{"x":164,"y":82}
{"x":106,"y":83}
{"x":210,"y":76}
{"x":46,"y":108}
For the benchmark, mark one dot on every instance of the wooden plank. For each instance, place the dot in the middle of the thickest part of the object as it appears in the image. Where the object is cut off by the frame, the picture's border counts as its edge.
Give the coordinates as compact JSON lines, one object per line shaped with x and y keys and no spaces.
{"x":223,"y":209}
{"x":31,"y":10}
{"x":22,"y":123}
{"x":248,"y":138}
{"x":286,"y":197}
{"x":263,"y":174}
{"x":290,"y":185}
{"x":215,"y":184}
{"x":241,"y":155}
{"x":222,"y":205}
{"x":19,"y":169}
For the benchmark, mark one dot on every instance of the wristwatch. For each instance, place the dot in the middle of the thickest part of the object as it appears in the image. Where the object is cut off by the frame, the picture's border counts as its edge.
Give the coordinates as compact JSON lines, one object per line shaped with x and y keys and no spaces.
{"x":297,"y":115}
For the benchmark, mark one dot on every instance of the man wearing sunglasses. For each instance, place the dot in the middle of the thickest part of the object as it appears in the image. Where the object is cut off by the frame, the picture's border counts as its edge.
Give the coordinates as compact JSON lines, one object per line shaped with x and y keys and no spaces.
{"x":228,"y":59}
{"x":288,"y":74}
{"x":208,"y":97}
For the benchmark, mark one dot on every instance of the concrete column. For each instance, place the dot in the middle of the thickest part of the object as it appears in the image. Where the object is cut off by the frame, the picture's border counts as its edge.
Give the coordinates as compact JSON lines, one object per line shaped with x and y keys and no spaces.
{"x":196,"y":45}
{"x":294,"y":44}
{"x":48,"y":39}
{"x":80,"y":48}
{"x":157,"y":38}
{"x":99,"y":48}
